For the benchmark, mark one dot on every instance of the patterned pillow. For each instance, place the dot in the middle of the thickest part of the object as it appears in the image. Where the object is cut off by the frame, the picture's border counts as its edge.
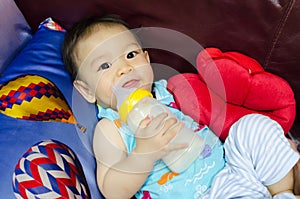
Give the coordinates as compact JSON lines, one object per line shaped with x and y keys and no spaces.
{"x":32,"y":97}
{"x":32,"y":86}
{"x":49,"y":169}
{"x":42,"y":56}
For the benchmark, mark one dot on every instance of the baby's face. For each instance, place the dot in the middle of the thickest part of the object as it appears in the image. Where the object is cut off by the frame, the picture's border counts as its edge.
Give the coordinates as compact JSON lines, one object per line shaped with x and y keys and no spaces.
{"x":111,"y":57}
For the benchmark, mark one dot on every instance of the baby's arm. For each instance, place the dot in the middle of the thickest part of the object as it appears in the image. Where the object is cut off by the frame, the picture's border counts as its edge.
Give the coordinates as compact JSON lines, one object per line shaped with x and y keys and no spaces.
{"x":120,"y":175}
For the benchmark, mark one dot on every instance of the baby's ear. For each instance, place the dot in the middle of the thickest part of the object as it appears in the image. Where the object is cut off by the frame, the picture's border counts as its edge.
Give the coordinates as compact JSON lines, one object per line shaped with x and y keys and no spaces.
{"x":147,"y":55}
{"x":85,"y":91}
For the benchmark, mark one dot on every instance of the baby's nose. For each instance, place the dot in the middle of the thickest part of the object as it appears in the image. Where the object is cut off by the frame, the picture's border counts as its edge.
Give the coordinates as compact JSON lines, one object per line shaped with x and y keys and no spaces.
{"x":126,"y":68}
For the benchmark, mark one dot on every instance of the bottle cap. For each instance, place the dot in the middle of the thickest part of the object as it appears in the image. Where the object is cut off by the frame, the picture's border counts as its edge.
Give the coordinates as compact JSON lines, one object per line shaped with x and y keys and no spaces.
{"x":131,"y":100}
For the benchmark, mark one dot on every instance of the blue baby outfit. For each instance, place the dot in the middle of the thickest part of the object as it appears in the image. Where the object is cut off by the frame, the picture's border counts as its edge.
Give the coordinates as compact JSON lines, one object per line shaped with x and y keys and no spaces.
{"x":195,"y":181}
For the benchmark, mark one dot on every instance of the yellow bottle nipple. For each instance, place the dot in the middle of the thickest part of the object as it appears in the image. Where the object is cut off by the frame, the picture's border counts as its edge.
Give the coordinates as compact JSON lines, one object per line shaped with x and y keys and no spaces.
{"x":131,"y":100}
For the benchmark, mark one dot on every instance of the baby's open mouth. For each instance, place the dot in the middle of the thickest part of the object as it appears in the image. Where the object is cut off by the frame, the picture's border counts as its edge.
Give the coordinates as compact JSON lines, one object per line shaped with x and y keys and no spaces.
{"x":131,"y":84}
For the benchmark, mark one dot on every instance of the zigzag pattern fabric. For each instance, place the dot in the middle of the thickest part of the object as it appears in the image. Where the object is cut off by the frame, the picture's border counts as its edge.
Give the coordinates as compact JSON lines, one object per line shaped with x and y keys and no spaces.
{"x":49,"y":169}
{"x":32,"y":97}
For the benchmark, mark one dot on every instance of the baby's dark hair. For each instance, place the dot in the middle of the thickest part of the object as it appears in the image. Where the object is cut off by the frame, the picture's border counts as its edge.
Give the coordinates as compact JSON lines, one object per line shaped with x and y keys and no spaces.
{"x":80,"y":30}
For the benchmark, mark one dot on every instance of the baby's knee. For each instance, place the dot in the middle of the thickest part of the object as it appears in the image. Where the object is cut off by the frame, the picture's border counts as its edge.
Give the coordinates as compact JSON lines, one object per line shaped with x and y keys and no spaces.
{"x":256,"y":127}
{"x":254,"y":133}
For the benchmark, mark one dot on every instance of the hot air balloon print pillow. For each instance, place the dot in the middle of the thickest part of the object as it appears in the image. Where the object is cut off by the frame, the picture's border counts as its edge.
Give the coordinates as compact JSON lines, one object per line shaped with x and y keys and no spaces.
{"x":32,"y":97}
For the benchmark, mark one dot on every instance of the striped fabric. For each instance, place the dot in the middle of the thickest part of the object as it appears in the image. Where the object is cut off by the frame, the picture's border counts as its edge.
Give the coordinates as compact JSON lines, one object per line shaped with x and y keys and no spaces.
{"x":257,"y":155}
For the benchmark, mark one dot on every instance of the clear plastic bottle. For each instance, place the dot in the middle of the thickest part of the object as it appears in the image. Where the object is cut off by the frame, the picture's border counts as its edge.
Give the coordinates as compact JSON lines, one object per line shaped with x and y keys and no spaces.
{"x":140,"y":104}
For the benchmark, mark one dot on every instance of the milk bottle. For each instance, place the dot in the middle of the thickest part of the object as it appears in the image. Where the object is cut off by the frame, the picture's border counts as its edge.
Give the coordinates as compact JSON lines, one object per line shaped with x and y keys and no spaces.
{"x":140,"y":104}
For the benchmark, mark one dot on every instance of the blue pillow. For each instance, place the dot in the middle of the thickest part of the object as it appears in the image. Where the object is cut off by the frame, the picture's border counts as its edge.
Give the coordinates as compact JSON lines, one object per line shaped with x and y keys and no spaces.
{"x":42,"y":56}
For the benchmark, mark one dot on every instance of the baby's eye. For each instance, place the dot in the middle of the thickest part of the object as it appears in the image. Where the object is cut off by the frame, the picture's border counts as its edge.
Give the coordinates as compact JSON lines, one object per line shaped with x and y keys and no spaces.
{"x":131,"y":55}
{"x":105,"y":65}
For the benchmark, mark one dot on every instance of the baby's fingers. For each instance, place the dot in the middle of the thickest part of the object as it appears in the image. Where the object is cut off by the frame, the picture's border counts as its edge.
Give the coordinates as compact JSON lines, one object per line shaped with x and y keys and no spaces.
{"x":145,"y":122}
{"x":159,"y":120}
{"x":171,"y":132}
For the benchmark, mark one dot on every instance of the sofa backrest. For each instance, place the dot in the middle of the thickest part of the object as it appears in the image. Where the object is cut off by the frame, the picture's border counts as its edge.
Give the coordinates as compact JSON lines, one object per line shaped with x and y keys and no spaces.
{"x":267,"y":31}
{"x":14,"y":31}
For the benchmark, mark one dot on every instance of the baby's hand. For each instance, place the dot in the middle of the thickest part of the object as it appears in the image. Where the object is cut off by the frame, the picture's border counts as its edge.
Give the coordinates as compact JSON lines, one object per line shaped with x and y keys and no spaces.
{"x":154,"y":135}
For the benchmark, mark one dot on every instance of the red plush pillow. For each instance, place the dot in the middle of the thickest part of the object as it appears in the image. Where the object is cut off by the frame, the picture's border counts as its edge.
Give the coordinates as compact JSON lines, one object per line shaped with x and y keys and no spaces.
{"x":228,"y":86}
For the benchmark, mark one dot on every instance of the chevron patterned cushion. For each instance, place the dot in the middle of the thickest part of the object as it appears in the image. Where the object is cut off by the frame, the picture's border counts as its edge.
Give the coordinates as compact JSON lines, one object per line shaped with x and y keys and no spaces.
{"x":49,"y":169}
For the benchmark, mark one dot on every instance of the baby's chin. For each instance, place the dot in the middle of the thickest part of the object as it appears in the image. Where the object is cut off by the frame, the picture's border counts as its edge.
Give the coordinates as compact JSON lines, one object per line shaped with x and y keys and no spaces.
{"x":147,"y":87}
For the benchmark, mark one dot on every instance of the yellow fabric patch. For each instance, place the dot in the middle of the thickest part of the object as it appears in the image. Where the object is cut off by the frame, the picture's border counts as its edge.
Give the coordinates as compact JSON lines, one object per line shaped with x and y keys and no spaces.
{"x":33,"y":97}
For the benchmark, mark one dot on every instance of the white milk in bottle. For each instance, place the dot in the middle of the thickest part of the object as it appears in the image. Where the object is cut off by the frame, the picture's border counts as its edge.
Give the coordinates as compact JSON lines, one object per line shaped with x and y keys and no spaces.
{"x":140,"y":104}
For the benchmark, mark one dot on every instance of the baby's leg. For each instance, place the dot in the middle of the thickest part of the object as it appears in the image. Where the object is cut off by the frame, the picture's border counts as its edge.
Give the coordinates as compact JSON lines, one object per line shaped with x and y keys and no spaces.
{"x":267,"y":155}
{"x":297,"y":178}
{"x":286,"y":184}
{"x":296,"y":171}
